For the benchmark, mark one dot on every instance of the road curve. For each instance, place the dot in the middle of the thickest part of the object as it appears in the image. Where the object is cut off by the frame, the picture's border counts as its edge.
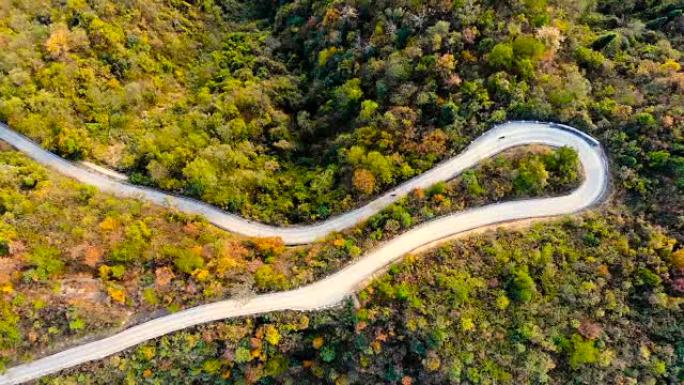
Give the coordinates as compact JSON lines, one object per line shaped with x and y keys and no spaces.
{"x":333,"y":289}
{"x":489,"y":144}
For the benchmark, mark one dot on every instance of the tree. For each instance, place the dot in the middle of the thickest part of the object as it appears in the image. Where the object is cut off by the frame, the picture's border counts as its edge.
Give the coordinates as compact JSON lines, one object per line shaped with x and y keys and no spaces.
{"x":563,"y":163}
{"x":71,"y":143}
{"x":242,"y":355}
{"x":648,"y":277}
{"x":582,"y":352}
{"x":348,"y":95}
{"x":472,"y":184}
{"x":521,"y":286}
{"x":328,"y":353}
{"x":4,"y":247}
{"x":201,"y":175}
{"x":131,"y":250}
{"x":58,"y":44}
{"x":269,"y":247}
{"x":368,"y":109}
{"x":448,"y":114}
{"x":266,"y":278}
{"x":527,"y":47}
{"x":211,"y":366}
{"x":588,"y":58}
{"x":398,"y":68}
{"x":659,"y":159}
{"x":501,"y":56}
{"x":445,"y":65}
{"x":531,"y":177}
{"x":677,"y":259}
{"x":10,"y":334}
{"x":272,"y":336}
{"x":363,"y":181}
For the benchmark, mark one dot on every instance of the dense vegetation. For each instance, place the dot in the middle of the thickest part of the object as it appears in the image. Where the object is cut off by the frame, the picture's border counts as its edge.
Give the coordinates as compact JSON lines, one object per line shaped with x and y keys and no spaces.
{"x":74,"y":262}
{"x":295,"y":111}
{"x":445,"y":71}
{"x":593,"y":300}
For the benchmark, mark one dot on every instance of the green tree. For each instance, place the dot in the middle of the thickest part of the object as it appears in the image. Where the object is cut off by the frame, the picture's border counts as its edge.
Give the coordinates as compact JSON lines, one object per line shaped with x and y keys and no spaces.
{"x":266,"y":278}
{"x":472,"y":184}
{"x":348,"y":95}
{"x":501,"y":56}
{"x":368,"y":109}
{"x":380,"y":166}
{"x":527,"y":47}
{"x":521,"y":286}
{"x":531,"y":177}
{"x":4,"y":247}
{"x":588,"y":58}
{"x":242,"y":355}
{"x":328,"y":354}
{"x":563,"y":163}
{"x":201,"y":175}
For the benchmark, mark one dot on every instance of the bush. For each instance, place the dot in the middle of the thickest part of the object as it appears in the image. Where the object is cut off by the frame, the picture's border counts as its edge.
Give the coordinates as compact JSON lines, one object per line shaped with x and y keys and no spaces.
{"x":46,"y":262}
{"x":582,"y":352}
{"x":648,"y":278}
{"x":589,"y":58}
{"x":266,"y":278}
{"x":521,"y":286}
{"x":186,"y":261}
{"x":4,"y":248}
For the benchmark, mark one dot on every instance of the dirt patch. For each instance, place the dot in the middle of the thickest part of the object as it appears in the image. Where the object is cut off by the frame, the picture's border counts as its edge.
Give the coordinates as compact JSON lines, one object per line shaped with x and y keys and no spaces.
{"x":8,"y":267}
{"x":4,"y":146}
{"x":78,"y":290}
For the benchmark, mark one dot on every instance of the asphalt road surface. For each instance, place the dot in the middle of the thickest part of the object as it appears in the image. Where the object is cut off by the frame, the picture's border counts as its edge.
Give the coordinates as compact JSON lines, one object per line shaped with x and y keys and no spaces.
{"x":335,"y":288}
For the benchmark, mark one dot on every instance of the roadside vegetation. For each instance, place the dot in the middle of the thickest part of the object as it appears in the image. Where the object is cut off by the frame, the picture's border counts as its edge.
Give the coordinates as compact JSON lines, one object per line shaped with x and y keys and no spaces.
{"x":593,"y":299}
{"x":75,"y":262}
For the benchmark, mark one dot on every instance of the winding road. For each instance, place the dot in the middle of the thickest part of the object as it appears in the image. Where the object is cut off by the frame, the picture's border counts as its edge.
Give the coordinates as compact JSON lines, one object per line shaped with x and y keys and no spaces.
{"x":332,"y":290}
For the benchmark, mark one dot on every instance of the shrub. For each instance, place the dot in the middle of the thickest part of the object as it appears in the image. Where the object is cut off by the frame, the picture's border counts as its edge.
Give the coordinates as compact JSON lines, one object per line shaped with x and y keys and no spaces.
{"x":266,"y":278}
{"x":185,"y":260}
{"x":521,"y":286}
{"x":582,"y":352}
{"x":4,"y":248}
{"x":589,"y":58}
{"x":648,"y":278}
{"x":46,"y":262}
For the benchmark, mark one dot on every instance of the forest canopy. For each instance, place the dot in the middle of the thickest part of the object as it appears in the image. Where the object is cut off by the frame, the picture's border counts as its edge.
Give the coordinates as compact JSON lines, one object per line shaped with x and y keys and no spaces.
{"x":292,"y":111}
